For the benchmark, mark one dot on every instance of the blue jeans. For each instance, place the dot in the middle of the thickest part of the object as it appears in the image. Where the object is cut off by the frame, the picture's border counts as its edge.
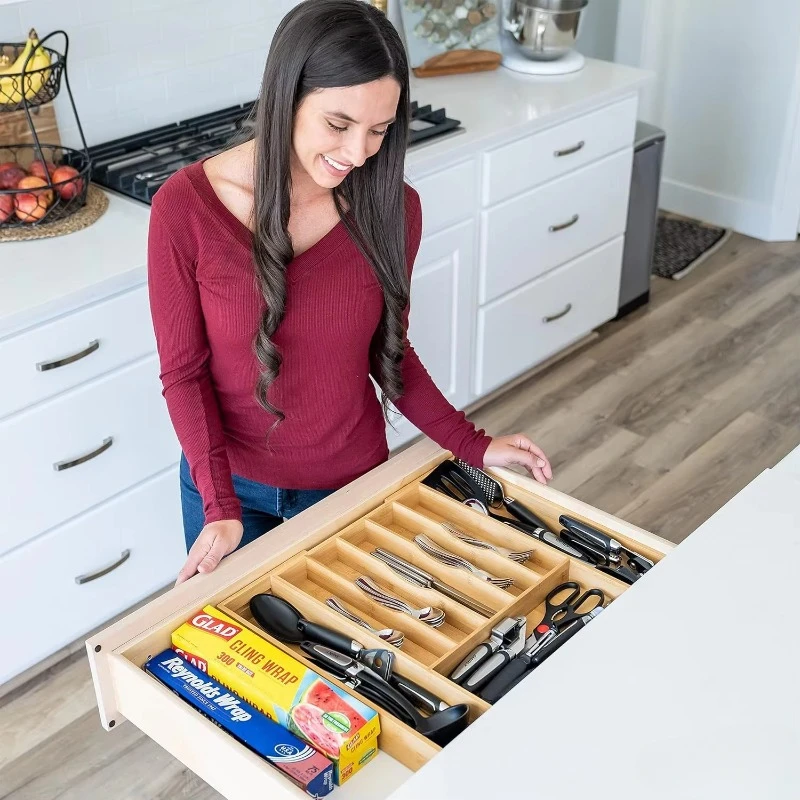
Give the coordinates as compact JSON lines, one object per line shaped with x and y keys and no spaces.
{"x":264,"y":507}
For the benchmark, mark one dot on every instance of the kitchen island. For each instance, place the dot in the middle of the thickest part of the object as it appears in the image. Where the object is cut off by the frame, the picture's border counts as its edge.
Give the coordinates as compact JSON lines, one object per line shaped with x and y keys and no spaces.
{"x":684,"y":687}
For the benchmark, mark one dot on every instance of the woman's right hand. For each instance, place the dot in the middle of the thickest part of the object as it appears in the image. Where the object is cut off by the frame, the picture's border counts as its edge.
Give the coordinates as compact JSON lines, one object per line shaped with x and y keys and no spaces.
{"x":215,"y":541}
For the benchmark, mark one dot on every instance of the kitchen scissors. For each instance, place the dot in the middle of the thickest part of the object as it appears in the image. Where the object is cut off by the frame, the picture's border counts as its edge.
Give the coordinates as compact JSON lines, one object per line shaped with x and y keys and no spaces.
{"x":559,"y":615}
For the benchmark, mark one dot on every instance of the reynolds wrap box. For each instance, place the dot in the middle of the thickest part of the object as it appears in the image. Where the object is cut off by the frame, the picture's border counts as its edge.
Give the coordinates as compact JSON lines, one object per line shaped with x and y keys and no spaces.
{"x":340,"y":726}
{"x":302,"y":764}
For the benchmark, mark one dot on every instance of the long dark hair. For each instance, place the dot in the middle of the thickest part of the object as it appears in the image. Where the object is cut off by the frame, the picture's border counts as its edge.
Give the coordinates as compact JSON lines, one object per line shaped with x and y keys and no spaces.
{"x":322,"y":44}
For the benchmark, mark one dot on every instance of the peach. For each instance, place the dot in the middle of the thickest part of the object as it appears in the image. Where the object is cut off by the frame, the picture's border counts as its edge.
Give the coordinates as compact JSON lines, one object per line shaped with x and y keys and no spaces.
{"x":32,"y":182}
{"x":6,"y":207}
{"x":11,"y":176}
{"x":30,"y":207}
{"x":68,"y":190}
{"x":41,"y":169}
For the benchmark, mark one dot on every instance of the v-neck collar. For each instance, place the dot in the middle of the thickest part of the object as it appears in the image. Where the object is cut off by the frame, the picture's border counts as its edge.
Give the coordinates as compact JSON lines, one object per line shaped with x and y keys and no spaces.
{"x":318,"y":251}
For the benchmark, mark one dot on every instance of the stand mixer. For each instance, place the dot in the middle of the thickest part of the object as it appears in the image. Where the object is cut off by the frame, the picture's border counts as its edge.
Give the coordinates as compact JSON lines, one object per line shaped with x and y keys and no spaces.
{"x":538,"y":36}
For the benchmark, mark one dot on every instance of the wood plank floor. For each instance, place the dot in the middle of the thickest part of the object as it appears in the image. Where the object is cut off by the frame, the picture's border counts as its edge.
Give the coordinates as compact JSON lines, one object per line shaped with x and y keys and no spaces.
{"x":661,"y":420}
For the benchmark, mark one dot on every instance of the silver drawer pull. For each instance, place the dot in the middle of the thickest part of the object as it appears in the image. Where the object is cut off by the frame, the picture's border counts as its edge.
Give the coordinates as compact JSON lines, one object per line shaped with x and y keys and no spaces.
{"x":60,"y":466}
{"x":560,"y":314}
{"x":568,"y":151}
{"x":93,"y":576}
{"x":568,"y":224}
{"x":43,"y":366}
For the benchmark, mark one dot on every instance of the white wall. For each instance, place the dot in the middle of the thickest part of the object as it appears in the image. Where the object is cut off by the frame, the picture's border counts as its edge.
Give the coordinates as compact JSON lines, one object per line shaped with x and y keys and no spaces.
{"x":599,"y":29}
{"x":135,"y":64}
{"x":727,"y":93}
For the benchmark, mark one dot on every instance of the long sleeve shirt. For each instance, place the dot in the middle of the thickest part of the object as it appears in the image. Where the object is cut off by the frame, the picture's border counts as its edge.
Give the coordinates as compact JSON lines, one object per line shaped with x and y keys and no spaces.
{"x":206,"y":308}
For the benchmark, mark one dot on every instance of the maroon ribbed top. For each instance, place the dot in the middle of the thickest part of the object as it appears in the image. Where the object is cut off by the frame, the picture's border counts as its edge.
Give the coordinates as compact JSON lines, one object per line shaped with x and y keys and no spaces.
{"x":206,"y":309}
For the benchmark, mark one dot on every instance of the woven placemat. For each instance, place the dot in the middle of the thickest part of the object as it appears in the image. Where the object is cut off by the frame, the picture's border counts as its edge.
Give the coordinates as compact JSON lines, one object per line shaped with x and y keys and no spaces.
{"x":95,"y":207}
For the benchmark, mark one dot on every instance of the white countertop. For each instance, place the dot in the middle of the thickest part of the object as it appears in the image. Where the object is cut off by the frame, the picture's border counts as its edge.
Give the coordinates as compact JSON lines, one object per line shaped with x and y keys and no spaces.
{"x":43,"y":279}
{"x":503,"y":105}
{"x":685,"y":688}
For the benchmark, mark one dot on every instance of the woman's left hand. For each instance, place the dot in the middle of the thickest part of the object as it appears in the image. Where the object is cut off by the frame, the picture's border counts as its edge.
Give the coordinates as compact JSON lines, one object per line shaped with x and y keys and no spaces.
{"x":518,"y":449}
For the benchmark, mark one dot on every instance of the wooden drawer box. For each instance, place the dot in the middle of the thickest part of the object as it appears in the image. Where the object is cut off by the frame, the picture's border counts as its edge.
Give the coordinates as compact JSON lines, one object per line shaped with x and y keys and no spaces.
{"x":65,"y":455}
{"x":317,"y":554}
{"x":521,"y":165}
{"x":51,"y":358}
{"x":90,"y":569}
{"x":534,"y":233}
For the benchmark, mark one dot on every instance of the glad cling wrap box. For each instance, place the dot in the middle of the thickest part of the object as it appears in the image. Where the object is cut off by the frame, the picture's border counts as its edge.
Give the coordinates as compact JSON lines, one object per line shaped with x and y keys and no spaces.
{"x":338,"y":725}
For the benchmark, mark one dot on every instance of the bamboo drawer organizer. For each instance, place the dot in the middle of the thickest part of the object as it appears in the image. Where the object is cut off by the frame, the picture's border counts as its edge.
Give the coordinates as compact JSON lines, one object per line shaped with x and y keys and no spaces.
{"x":428,"y":654}
{"x":317,"y":555}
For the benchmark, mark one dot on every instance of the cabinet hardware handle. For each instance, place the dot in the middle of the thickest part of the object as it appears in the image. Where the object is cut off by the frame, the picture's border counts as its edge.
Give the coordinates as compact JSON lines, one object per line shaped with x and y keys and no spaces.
{"x":568,"y":151}
{"x":93,"y":576}
{"x":43,"y":366}
{"x":560,"y":314}
{"x":60,"y":466}
{"x":568,"y":224}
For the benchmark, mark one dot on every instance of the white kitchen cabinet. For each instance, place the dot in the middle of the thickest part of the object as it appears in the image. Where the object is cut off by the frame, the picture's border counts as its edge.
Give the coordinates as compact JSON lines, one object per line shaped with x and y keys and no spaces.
{"x":535,"y":232}
{"x":88,"y":570}
{"x":532,"y":323}
{"x":64,"y":456}
{"x":442,"y":317}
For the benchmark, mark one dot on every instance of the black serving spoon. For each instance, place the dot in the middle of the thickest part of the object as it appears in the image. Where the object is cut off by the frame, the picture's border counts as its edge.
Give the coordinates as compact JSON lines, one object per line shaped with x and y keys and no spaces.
{"x":282,"y":620}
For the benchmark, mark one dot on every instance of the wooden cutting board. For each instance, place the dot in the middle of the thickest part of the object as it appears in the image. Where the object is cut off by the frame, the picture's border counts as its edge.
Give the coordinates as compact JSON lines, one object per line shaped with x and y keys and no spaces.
{"x":14,"y":127}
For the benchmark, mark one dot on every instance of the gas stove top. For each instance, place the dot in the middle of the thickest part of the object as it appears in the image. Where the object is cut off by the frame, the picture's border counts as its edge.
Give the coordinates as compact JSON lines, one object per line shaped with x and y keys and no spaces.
{"x":136,"y":166}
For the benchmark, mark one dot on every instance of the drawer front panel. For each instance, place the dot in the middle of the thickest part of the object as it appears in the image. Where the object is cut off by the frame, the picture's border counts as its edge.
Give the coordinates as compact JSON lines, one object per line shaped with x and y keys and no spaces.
{"x":532,"y":234}
{"x":448,"y":196}
{"x":528,"y":162}
{"x":137,"y":537}
{"x":530,"y":325}
{"x":58,"y":460}
{"x":59,"y":355}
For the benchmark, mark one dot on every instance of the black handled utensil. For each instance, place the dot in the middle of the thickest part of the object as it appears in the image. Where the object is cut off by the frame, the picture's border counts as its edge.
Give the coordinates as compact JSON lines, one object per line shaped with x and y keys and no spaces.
{"x":281,"y":619}
{"x":440,"y":727}
{"x":516,"y":670}
{"x":496,"y":496}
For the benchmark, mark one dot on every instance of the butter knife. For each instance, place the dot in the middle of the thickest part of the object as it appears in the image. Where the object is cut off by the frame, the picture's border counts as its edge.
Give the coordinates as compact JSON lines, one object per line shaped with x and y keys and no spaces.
{"x":421,"y":578}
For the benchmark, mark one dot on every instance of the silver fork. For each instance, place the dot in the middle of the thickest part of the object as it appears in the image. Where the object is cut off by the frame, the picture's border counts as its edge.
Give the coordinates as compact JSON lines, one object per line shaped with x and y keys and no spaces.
{"x":389,"y":635}
{"x":429,"y":615}
{"x":454,"y":560}
{"x":514,"y":555}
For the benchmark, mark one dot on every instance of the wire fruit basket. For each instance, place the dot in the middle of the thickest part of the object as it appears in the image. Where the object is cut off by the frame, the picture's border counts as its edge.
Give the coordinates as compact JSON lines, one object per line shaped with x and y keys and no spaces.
{"x":40,"y":183}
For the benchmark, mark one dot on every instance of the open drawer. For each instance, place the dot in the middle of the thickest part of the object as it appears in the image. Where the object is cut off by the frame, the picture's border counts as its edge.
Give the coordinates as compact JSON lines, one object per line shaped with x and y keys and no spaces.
{"x":318,"y":555}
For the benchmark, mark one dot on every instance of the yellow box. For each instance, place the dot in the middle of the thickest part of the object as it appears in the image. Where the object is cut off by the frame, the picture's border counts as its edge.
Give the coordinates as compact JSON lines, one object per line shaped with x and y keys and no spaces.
{"x":335,"y":723}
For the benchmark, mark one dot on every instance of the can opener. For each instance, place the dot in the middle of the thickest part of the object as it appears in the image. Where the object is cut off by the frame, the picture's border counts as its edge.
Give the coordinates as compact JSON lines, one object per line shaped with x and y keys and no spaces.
{"x":501,"y":635}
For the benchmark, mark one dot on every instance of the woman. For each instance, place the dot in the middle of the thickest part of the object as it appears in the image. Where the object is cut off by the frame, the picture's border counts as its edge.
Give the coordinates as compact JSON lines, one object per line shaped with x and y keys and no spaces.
{"x":279,"y":276}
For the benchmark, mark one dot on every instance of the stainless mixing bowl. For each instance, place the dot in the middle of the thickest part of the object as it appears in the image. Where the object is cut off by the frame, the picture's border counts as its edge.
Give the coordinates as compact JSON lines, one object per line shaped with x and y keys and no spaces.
{"x":543,"y":30}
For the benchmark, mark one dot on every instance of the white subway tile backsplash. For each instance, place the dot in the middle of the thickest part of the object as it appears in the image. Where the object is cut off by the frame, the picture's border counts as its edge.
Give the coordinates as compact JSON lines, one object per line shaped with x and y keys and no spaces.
{"x":160,"y":57}
{"x":141,"y":94}
{"x":209,"y":46}
{"x":105,"y":71}
{"x":137,"y":64}
{"x":10,"y":24}
{"x":131,"y":32}
{"x":93,"y":11}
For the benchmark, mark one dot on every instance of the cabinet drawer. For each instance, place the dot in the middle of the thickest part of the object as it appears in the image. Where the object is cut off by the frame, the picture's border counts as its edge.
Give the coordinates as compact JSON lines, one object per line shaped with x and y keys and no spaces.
{"x":315,"y":554}
{"x":56,"y":356}
{"x":522,"y":329}
{"x":139,"y":534}
{"x":529,"y":235}
{"x":448,"y":196}
{"x":528,"y":162}
{"x":124,"y":407}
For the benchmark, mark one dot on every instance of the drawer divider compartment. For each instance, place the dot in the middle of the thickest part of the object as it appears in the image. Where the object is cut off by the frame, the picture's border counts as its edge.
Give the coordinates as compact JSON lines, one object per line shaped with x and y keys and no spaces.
{"x":405,"y":664}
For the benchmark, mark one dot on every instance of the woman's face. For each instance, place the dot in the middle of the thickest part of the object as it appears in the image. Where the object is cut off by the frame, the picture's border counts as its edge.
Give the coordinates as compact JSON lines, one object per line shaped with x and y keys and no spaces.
{"x":337,"y":130}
